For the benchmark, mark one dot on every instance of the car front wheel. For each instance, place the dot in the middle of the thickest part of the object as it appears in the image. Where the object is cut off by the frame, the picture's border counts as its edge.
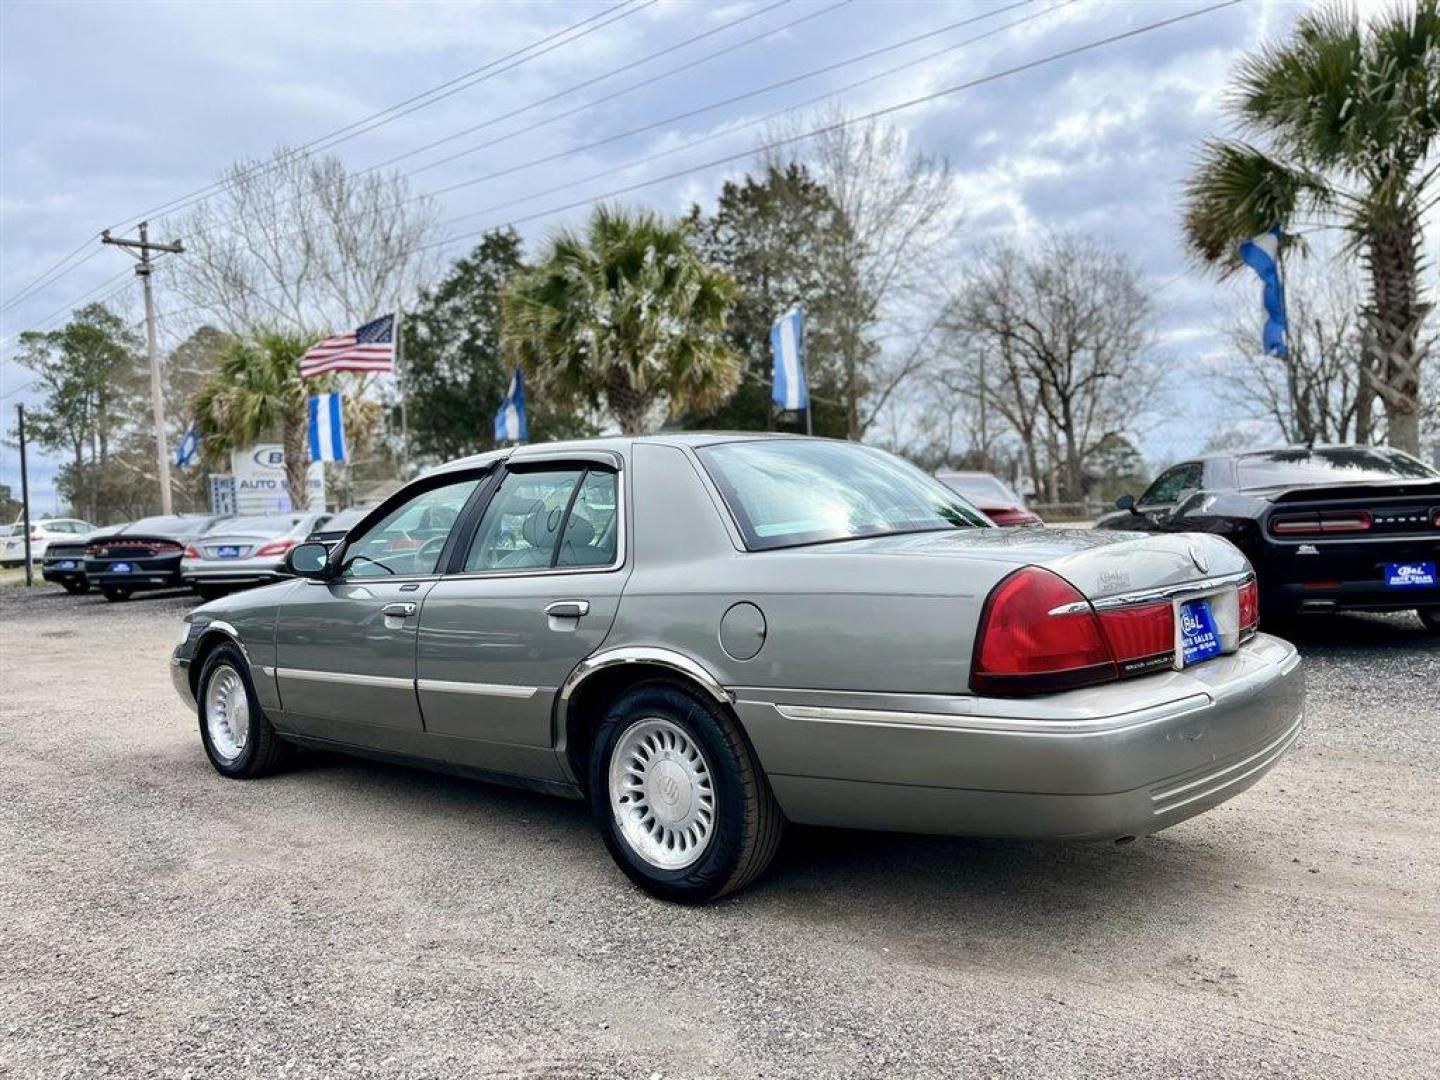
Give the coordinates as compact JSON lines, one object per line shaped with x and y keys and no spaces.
{"x":679,"y":797}
{"x":1430,"y":617}
{"x":237,"y":735}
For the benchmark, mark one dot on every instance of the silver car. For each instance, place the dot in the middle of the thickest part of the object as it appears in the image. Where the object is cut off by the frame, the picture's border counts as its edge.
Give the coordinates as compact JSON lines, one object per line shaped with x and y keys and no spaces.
{"x":243,"y":551}
{"x":709,"y":636}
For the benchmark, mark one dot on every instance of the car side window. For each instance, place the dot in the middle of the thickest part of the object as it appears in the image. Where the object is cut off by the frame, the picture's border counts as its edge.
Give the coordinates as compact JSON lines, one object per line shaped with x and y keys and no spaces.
{"x":592,"y":530}
{"x":408,"y":540}
{"x":1171,"y":484}
{"x":522,"y":525}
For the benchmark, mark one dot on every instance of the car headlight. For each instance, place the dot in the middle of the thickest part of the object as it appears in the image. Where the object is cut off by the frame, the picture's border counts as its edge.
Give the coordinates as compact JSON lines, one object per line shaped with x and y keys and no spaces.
{"x":186,"y":629}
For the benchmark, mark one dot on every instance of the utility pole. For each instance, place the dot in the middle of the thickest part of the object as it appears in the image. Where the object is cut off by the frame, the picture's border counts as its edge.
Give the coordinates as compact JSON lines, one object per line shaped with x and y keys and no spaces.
{"x":157,"y":397}
{"x":25,"y":498}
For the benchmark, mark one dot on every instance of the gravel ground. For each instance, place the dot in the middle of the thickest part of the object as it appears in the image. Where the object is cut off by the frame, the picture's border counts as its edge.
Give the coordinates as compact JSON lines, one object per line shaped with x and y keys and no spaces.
{"x":353,"y":919}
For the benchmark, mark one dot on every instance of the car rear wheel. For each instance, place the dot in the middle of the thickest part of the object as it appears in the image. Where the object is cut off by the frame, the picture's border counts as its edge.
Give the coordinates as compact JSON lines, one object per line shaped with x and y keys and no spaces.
{"x":75,"y":587}
{"x":237,"y":736}
{"x":679,"y":797}
{"x":1430,"y":617}
{"x":116,"y":595}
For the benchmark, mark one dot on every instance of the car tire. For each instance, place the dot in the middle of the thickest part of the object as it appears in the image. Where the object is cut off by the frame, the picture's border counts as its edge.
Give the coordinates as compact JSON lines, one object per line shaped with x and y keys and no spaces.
{"x":679,"y":797}
{"x":115,"y":596}
{"x":1430,"y":617}
{"x":75,"y":588}
{"x":237,"y":735}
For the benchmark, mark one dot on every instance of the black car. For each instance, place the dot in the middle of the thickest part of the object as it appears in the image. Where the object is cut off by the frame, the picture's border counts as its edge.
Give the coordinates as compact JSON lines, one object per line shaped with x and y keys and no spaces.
{"x":1327,"y":528}
{"x":143,"y":555}
{"x":64,"y":562}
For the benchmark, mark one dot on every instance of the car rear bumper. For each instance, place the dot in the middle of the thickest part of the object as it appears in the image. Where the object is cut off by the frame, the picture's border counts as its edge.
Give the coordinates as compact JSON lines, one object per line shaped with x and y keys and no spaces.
{"x":59,"y":577}
{"x":144,"y":574}
{"x":1341,"y":576}
{"x":1114,"y":761}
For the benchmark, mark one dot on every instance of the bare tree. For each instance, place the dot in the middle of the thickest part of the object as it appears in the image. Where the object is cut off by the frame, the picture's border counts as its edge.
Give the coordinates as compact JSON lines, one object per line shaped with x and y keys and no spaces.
{"x":298,"y":244}
{"x":1055,"y":340}
{"x":894,"y":202}
{"x":1312,"y":394}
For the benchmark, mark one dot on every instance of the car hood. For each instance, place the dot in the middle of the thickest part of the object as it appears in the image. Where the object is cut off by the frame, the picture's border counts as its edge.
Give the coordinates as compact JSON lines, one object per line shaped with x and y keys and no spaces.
{"x":1099,"y":564}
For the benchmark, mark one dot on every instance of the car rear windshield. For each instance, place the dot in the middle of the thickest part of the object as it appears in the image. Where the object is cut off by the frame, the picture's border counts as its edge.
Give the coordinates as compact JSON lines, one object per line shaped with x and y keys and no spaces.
{"x":1327,"y":465}
{"x":269,"y":525}
{"x":165,"y":526}
{"x":978,"y":487}
{"x":784,"y":492}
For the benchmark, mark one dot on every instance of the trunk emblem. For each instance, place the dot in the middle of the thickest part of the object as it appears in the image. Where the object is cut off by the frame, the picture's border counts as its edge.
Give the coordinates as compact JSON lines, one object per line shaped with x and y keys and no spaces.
{"x":1199,"y":560}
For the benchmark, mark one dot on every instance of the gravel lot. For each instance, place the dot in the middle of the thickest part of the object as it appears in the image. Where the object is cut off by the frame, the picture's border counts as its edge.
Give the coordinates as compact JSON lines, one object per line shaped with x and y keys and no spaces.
{"x":352,"y":919}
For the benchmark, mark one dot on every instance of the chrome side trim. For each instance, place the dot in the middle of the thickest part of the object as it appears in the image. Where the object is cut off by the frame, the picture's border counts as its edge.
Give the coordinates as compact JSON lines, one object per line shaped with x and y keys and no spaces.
{"x":1218,"y":781}
{"x":1000,"y":725}
{"x":1170,"y":592}
{"x":640,"y":654}
{"x":446,"y":686}
{"x":307,"y":675}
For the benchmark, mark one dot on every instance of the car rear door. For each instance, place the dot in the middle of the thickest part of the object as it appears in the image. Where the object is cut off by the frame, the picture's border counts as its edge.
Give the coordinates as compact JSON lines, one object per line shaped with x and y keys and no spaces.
{"x":345,"y":646}
{"x":533,"y":588}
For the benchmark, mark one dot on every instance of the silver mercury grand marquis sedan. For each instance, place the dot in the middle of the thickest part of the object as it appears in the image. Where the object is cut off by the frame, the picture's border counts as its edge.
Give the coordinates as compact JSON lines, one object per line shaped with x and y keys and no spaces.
{"x":708,"y":636}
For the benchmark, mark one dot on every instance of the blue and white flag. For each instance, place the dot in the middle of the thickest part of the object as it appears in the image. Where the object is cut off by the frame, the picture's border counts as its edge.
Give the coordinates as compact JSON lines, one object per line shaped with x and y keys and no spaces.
{"x":510,"y":425}
{"x":189,"y":448}
{"x":1262,"y":254}
{"x":787,"y":342}
{"x":327,"y":427}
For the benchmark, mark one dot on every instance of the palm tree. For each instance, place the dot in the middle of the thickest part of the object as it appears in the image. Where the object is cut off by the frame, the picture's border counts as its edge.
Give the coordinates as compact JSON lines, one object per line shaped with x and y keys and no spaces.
{"x":1345,"y":116}
{"x":625,"y":315}
{"x":256,"y":393}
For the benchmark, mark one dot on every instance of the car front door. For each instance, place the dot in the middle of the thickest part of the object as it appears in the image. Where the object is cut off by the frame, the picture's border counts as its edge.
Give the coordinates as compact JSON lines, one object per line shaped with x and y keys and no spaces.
{"x":532,"y":590}
{"x":345,"y":646}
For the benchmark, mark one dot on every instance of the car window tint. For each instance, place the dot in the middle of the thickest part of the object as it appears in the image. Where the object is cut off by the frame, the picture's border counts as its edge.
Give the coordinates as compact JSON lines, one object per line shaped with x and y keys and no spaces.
{"x":409,"y":539}
{"x":1327,"y":465}
{"x":593,"y":527}
{"x":783,"y":492}
{"x":1171,"y":484}
{"x":522,"y":524}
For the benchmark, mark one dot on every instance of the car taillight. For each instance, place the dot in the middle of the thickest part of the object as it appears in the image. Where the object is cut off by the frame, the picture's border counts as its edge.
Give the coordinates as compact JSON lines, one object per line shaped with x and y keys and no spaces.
{"x":1141,"y":638}
{"x":1336,"y":521}
{"x":276,"y":547}
{"x":1249,"y":597}
{"x":192,"y":552}
{"x":1038,"y":634}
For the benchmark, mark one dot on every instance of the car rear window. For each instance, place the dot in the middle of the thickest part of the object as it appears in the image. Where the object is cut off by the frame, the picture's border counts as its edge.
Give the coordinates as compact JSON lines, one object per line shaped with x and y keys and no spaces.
{"x":978,"y":487}
{"x":1327,"y":465}
{"x":268,"y":525}
{"x":784,"y":492}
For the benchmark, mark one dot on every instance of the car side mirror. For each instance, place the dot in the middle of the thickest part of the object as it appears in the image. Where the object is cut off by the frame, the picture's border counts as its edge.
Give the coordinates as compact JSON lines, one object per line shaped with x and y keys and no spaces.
{"x":308,"y":560}
{"x":1125,"y":502}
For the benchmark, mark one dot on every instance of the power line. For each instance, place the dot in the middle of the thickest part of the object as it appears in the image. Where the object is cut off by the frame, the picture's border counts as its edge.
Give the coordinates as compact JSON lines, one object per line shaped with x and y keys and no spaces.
{"x":333,"y":138}
{"x":483,"y":73}
{"x":823,"y":129}
{"x":594,"y":102}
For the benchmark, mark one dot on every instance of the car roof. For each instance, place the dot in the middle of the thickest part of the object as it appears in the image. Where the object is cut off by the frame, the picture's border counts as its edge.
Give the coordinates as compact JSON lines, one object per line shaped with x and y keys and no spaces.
{"x":611,"y":443}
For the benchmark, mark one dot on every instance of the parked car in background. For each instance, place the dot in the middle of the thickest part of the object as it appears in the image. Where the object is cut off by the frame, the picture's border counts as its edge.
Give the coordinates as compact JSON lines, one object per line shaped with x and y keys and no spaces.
{"x":334,"y":529}
{"x":708,"y":636}
{"x":995,"y":498}
{"x":64,"y":562}
{"x":244,"y":551}
{"x":42,"y":532}
{"x":143,"y":555}
{"x":1327,"y":528}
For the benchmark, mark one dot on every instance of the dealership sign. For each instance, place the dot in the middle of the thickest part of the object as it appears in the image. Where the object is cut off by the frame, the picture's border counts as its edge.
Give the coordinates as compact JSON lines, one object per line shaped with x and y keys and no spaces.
{"x":259,"y":476}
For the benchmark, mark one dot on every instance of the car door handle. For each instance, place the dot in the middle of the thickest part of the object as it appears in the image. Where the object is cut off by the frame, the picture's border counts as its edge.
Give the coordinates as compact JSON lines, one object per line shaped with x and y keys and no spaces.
{"x":568,"y":609}
{"x":398,"y":611}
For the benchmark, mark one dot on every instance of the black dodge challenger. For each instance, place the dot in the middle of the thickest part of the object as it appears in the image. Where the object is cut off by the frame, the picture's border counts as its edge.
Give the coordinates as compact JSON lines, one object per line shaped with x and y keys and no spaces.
{"x":1327,"y":528}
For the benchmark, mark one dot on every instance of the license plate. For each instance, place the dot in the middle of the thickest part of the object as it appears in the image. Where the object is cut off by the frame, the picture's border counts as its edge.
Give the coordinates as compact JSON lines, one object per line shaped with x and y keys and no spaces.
{"x":65,"y":564}
{"x":1411,"y":575}
{"x":227,"y":552}
{"x":120,"y":568}
{"x":1199,"y":638}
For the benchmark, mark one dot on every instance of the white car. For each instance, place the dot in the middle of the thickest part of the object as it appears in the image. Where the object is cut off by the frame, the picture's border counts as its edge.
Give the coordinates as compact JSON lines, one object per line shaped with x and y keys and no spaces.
{"x":41,"y":533}
{"x":239,"y":552}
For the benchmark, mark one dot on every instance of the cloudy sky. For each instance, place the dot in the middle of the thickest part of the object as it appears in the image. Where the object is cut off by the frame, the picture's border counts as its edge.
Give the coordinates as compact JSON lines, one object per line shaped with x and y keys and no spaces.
{"x":110,"y":109}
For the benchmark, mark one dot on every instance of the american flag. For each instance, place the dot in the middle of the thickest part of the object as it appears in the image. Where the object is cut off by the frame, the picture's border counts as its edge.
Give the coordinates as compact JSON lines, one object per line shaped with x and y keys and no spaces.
{"x":370,"y":348}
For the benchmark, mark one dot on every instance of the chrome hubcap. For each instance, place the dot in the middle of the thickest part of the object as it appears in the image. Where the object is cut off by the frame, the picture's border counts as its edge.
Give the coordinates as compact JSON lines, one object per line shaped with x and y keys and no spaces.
{"x":661,"y":794}
{"x":227,"y":712}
